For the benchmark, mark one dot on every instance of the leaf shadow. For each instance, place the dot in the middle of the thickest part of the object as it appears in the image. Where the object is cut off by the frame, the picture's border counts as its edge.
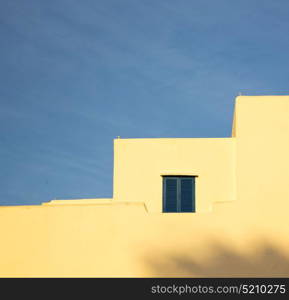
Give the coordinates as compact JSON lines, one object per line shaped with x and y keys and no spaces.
{"x":267,"y":260}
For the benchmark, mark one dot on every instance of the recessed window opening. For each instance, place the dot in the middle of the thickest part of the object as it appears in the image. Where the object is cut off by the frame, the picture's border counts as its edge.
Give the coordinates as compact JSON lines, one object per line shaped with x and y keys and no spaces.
{"x":178,"y":194}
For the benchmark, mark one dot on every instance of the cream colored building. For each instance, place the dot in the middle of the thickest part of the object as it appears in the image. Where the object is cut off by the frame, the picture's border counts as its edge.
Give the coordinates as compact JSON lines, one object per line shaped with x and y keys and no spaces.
{"x":235,"y":192}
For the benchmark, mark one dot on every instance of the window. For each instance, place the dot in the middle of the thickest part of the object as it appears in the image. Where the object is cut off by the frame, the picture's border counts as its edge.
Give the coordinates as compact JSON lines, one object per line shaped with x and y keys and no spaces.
{"x":178,"y":194}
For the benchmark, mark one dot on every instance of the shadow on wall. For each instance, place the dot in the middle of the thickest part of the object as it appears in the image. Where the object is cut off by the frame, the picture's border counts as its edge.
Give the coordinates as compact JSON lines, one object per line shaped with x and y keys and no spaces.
{"x":266,"y":261}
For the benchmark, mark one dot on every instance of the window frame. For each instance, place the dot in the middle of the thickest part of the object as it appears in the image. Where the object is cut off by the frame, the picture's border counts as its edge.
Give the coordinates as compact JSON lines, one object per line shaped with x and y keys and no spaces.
{"x":178,"y":192}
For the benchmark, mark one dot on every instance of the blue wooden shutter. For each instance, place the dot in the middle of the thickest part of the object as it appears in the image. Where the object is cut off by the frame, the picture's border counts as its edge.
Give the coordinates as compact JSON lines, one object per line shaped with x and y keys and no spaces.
{"x":187,"y":194}
{"x":170,"y":195}
{"x":179,"y":194}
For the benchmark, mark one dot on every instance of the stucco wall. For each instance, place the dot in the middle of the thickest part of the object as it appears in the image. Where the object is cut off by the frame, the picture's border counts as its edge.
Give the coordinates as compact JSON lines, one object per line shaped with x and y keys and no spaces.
{"x":123,"y":239}
{"x":262,"y":147}
{"x":139,"y":164}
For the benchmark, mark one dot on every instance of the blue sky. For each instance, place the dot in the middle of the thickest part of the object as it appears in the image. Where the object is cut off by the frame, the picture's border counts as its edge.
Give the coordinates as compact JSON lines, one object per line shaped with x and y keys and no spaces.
{"x":76,"y":74}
